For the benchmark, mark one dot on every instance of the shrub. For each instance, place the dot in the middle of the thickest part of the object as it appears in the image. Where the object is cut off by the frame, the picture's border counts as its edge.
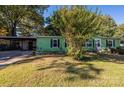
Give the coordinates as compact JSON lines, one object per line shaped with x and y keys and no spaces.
{"x":120,"y":50}
{"x":79,"y":55}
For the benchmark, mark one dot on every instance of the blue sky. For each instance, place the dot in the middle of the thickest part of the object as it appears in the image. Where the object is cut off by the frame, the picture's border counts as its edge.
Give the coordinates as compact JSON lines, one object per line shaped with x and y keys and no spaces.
{"x":116,"y":11}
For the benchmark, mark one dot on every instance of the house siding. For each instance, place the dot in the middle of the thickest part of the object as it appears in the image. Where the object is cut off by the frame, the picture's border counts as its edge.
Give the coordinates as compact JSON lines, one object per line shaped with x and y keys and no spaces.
{"x":117,"y":43}
{"x":44,"y":44}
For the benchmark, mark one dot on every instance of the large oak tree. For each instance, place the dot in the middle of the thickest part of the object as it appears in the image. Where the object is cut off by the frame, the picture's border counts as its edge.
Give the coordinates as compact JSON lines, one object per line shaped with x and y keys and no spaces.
{"x":26,"y":19}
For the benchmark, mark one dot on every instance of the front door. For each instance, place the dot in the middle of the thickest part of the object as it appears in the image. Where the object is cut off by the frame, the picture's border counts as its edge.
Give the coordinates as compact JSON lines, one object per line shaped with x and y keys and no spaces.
{"x":98,"y":44}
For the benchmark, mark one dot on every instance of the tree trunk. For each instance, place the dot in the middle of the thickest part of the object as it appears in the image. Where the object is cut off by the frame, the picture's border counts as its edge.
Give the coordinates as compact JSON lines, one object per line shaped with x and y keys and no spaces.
{"x":13,"y":33}
{"x":13,"y":29}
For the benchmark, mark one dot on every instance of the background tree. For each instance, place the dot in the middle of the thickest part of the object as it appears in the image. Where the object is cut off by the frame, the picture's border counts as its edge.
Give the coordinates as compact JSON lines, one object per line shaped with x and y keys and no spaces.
{"x":108,"y":27}
{"x":50,"y":29}
{"x":23,"y":18}
{"x":3,"y":32}
{"x":76,"y":24}
{"x":120,"y":31}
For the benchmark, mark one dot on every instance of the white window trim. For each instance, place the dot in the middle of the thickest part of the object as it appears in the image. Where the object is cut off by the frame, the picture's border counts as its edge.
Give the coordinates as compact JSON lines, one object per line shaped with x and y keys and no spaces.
{"x":53,"y":43}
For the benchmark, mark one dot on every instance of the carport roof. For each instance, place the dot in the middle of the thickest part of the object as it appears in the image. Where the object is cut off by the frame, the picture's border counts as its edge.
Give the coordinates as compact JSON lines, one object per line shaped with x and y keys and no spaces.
{"x":19,"y":38}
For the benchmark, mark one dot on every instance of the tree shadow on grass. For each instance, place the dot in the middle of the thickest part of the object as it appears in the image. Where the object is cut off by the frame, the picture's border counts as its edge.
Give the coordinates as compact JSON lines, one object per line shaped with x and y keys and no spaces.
{"x":83,"y":70}
{"x":28,"y":60}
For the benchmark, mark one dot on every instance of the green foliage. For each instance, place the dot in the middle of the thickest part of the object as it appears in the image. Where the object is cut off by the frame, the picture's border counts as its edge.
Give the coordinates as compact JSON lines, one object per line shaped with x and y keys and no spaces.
{"x":25,"y":19}
{"x":108,"y":27}
{"x":78,"y":55}
{"x":3,"y":32}
{"x":75,"y":24}
{"x":120,"y":31}
{"x":51,"y":31}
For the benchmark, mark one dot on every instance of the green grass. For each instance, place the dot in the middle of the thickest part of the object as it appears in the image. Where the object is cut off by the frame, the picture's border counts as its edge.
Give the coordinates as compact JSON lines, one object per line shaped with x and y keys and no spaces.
{"x":62,"y":71}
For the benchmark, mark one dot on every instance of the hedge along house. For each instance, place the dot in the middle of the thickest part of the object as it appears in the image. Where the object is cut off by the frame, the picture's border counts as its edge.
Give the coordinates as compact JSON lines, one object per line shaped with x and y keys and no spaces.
{"x":47,"y":44}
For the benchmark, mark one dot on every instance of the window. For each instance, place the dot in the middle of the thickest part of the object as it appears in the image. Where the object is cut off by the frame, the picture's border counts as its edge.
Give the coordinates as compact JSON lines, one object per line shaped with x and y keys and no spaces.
{"x":110,"y":43}
{"x":88,"y":43}
{"x":122,"y":42}
{"x":55,"y":43}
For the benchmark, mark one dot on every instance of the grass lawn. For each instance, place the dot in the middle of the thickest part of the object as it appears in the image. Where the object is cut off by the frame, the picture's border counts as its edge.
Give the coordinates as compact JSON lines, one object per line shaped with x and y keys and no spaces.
{"x":63,"y":71}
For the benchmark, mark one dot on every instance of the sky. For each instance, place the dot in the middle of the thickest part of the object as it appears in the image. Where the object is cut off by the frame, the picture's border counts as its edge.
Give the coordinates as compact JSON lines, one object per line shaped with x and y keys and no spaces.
{"x":116,"y":11}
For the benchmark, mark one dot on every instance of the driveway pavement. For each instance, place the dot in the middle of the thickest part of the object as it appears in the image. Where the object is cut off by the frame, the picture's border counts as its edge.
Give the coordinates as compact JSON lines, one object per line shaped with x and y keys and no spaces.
{"x":7,"y":57}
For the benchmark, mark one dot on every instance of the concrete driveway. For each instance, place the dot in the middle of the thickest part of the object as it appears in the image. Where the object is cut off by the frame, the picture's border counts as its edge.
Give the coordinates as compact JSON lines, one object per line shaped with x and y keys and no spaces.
{"x":7,"y":57}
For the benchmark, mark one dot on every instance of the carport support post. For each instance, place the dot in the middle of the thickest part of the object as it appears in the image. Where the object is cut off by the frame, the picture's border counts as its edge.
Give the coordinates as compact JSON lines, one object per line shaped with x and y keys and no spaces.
{"x":22,"y":45}
{"x":10,"y":44}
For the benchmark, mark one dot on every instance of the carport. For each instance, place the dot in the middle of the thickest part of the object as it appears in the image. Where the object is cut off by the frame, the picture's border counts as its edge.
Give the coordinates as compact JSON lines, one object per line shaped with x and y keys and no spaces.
{"x":17,"y":43}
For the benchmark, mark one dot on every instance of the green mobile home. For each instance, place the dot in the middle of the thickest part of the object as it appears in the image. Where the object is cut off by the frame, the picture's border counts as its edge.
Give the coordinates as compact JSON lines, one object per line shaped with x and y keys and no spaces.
{"x":101,"y":43}
{"x":57,"y":44}
{"x":51,"y":44}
